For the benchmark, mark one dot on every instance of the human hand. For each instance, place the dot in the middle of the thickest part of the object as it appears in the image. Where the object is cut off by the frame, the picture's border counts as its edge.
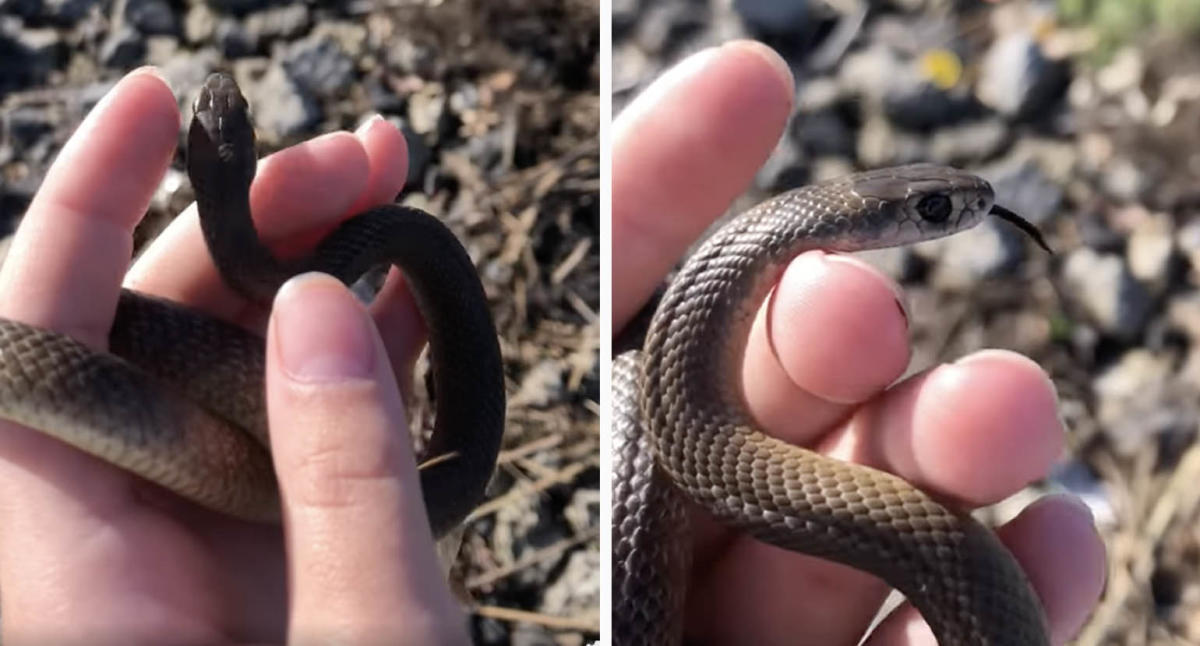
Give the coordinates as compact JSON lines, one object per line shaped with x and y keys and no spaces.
{"x":681,"y":152}
{"x":90,"y":553}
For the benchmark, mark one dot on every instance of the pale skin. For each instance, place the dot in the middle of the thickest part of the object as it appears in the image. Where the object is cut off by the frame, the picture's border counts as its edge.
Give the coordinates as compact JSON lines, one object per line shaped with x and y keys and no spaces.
{"x":90,"y":554}
{"x":974,"y":431}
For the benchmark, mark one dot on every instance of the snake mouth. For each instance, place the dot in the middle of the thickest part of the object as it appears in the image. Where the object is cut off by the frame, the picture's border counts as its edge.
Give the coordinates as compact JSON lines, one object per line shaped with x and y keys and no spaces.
{"x":1022,"y":224}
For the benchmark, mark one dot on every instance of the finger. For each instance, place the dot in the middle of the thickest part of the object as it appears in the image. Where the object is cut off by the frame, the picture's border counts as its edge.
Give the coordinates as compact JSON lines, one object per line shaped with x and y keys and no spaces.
{"x":682,"y":151}
{"x":84,"y":213}
{"x":975,"y":431}
{"x":1055,"y":541}
{"x":361,"y":558}
{"x":832,"y":335}
{"x":63,"y":273}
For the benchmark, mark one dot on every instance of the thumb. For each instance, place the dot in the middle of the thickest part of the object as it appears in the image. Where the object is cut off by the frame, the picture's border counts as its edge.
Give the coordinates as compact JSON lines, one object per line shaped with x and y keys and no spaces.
{"x":361,"y":559}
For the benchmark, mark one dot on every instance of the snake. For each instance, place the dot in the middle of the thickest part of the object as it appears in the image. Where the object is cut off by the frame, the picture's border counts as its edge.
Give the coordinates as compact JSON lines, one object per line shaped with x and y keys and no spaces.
{"x":178,"y":397}
{"x":682,"y":431}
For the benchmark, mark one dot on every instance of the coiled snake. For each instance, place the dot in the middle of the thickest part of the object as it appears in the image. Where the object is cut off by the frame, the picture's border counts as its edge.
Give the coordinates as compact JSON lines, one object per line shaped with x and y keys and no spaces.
{"x":681,"y":429}
{"x":179,"y":401}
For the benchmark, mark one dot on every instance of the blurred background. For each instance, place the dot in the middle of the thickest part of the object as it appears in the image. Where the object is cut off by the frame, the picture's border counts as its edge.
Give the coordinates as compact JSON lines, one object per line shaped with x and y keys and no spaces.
{"x":499,"y":103}
{"x":1085,"y":115}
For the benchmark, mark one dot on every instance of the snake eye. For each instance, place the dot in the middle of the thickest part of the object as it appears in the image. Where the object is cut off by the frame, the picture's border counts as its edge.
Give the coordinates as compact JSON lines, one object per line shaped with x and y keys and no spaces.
{"x":934,"y":208}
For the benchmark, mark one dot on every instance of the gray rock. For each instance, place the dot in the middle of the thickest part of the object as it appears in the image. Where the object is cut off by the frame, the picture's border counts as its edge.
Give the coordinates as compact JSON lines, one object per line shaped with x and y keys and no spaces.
{"x":1124,"y":180}
{"x":24,"y":8}
{"x":426,"y":108}
{"x":199,"y":24}
{"x":289,"y":21}
{"x":1017,"y":79}
{"x":67,"y":12}
{"x":42,"y":50}
{"x":1150,"y":251}
{"x":152,"y":16}
{"x":666,"y":22}
{"x":123,"y":48}
{"x":1024,"y":188}
{"x":777,"y":17}
{"x":1102,"y":286}
{"x":282,"y":107}
{"x":987,"y":251}
{"x":1137,"y":402}
{"x":320,"y":66}
{"x":824,"y":133}
{"x":233,"y":39}
{"x":25,"y":125}
{"x":968,"y":142}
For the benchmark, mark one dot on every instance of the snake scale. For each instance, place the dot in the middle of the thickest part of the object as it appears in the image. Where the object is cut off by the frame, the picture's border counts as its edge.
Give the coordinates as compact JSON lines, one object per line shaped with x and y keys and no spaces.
{"x":178,"y":400}
{"x":682,"y":431}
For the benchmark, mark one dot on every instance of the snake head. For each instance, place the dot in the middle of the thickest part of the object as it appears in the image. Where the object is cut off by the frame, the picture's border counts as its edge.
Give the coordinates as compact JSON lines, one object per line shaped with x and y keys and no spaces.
{"x":221,"y":136}
{"x":926,"y":201}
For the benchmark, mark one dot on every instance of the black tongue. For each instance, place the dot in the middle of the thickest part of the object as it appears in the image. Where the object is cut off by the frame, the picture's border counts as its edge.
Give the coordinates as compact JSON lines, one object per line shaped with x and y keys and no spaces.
{"x":1022,"y":224}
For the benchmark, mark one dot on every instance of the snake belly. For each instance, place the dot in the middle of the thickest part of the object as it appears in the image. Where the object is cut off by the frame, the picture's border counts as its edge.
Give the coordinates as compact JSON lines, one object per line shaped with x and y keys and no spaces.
{"x":680,"y":423}
{"x":179,"y":397}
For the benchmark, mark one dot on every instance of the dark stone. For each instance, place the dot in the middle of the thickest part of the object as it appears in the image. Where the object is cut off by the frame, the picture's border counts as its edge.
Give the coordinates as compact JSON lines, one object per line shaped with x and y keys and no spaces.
{"x":320,"y":66}
{"x":233,"y":39}
{"x":123,"y":48}
{"x":155,"y":17}
{"x":778,"y":17}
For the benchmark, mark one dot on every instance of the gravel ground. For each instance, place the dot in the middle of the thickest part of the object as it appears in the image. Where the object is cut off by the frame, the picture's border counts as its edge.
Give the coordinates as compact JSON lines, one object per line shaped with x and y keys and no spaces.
{"x":499,"y":102}
{"x":1091,"y":137}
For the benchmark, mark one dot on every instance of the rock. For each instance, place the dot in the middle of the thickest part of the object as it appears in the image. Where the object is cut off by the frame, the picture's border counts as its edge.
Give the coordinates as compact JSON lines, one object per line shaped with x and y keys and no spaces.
{"x":67,"y":12}
{"x":1017,"y":79}
{"x":285,"y":22}
{"x":282,"y":107}
{"x":124,"y":48}
{"x":665,"y":23}
{"x":1135,"y":403}
{"x":1188,"y":239}
{"x":199,"y":24}
{"x":775,"y":17}
{"x":1124,"y":180}
{"x":1183,"y":313}
{"x":24,"y":125}
{"x":1151,"y":248}
{"x":233,"y":39}
{"x":41,"y":51}
{"x":24,"y":9}
{"x":320,"y":66}
{"x":236,"y":6}
{"x":152,"y":17}
{"x":624,"y":17}
{"x":824,"y":133}
{"x":1025,"y":189}
{"x":989,"y":250}
{"x":968,"y":142}
{"x":881,"y":144}
{"x":426,"y":108}
{"x":1103,"y":286}
{"x":578,"y":586}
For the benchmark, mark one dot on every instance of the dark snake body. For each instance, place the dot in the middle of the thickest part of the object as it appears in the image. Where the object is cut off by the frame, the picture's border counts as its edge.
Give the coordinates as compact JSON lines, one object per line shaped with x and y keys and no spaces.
{"x":179,"y":400}
{"x":681,"y":429}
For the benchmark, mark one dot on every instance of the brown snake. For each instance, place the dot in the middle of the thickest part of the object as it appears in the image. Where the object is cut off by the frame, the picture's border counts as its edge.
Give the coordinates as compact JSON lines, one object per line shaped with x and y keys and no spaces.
{"x":682,"y":431}
{"x":179,"y":401}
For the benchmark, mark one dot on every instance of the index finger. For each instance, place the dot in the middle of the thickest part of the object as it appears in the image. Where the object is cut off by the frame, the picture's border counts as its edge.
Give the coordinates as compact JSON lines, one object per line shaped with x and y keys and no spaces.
{"x":682,"y":151}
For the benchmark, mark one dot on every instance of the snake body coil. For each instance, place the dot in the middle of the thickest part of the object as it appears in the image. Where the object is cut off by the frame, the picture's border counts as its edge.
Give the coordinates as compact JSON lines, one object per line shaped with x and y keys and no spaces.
{"x":180,"y":399}
{"x":680,"y":422}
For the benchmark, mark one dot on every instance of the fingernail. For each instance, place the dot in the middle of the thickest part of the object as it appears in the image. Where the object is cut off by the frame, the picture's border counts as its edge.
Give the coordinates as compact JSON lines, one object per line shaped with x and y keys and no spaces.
{"x":1076,"y":504}
{"x":769,"y":56}
{"x":321,"y":330}
{"x":897,"y":290}
{"x":365,"y":126}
